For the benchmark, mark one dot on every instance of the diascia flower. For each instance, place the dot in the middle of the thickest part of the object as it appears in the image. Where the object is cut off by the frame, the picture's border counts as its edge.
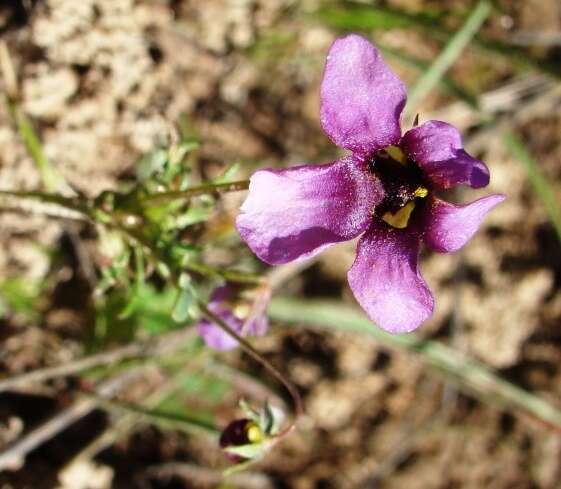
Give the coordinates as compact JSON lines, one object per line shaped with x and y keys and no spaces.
{"x":245,"y":316}
{"x":385,"y":190}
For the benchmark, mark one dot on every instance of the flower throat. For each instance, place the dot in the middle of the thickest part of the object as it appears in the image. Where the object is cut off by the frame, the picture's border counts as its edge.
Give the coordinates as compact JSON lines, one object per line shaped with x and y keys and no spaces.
{"x":403,"y":184}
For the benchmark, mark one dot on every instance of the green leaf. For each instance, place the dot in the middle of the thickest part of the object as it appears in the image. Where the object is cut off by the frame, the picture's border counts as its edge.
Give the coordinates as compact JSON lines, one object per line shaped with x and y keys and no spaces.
{"x":185,"y":306}
{"x":194,"y":215}
{"x":447,"y":83}
{"x":268,"y":423}
{"x":151,"y":163}
{"x":229,"y":173}
{"x":20,"y":297}
{"x":352,"y":17}
{"x":356,"y":17}
{"x":52,"y":181}
{"x":178,"y":152}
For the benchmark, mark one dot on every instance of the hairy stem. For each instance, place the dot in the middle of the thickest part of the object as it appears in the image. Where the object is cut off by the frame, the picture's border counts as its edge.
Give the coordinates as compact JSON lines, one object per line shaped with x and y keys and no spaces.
{"x":207,"y":188}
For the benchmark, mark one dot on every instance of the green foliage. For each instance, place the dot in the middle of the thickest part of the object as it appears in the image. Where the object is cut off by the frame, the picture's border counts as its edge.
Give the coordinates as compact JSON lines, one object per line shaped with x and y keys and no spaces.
{"x":22,"y":297}
{"x":124,"y":312}
{"x":352,"y":16}
{"x":447,"y":83}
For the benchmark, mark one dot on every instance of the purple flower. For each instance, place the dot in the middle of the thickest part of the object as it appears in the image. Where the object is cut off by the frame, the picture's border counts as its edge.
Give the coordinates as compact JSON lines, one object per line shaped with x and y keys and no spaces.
{"x":245,"y":317}
{"x":385,"y":190}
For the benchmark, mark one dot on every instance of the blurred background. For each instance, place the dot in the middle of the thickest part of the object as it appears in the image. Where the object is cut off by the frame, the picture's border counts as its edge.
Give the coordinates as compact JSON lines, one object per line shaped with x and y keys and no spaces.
{"x":99,"y":87}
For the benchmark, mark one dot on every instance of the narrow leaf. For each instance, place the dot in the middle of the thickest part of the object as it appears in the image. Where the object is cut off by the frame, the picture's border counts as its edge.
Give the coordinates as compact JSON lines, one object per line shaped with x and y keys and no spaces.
{"x":448,"y":55}
{"x":539,"y":182}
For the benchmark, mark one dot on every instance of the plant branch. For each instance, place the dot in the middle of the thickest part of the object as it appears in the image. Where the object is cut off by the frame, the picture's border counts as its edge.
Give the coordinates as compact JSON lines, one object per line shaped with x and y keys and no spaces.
{"x":207,"y":188}
{"x":253,"y":353}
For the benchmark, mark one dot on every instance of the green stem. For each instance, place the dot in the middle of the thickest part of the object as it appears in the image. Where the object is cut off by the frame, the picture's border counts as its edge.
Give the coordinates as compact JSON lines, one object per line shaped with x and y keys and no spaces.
{"x":207,"y":188}
{"x":297,"y":400}
{"x":189,"y":424}
{"x":467,"y":373}
{"x":253,"y":353}
{"x":73,"y":204}
{"x":230,"y":275}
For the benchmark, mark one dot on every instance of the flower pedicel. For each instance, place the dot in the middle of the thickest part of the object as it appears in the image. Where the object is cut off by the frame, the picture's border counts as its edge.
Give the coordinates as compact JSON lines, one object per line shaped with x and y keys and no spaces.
{"x":385,"y":190}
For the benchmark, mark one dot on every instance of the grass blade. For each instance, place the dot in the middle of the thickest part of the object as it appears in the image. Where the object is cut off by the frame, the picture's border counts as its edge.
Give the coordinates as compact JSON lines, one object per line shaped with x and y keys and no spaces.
{"x":468,"y":374}
{"x":356,"y":17}
{"x":449,"y":85}
{"x":359,"y":17}
{"x":541,"y":187}
{"x":51,"y":180}
{"x":448,"y":55}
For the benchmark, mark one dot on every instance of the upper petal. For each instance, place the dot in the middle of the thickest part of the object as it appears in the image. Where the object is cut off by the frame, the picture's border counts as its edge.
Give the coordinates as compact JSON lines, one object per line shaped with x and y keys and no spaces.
{"x":437,"y":148}
{"x":450,"y":226}
{"x":361,"y":97}
{"x":296,"y":212}
{"x":386,"y":281}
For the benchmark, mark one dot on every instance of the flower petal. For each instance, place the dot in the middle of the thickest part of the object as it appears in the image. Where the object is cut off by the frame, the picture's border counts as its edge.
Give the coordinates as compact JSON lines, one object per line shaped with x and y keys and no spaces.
{"x":386,"y":281}
{"x":361,"y":97}
{"x":214,"y":336}
{"x":449,"y":226}
{"x":437,"y":148}
{"x":296,"y":212}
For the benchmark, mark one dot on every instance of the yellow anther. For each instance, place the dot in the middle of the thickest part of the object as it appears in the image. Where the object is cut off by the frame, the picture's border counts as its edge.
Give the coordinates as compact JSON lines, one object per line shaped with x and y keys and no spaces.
{"x":396,"y":153}
{"x":254,"y":433}
{"x":421,"y":192}
{"x":400,"y":219}
{"x":242,"y":311}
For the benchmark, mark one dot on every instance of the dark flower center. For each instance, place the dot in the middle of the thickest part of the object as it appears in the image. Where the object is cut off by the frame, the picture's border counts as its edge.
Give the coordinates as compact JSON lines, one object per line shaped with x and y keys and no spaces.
{"x":240,"y":432}
{"x":404,"y":186}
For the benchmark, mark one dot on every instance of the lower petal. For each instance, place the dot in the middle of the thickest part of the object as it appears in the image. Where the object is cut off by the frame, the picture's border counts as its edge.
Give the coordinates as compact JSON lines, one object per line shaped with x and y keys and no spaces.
{"x":450,"y":226}
{"x":296,"y":212}
{"x":386,"y":281}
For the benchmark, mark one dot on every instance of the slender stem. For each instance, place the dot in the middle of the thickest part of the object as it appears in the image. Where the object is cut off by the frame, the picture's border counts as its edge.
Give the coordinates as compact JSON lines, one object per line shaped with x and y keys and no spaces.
{"x":47,"y":198}
{"x":207,"y":188}
{"x":253,"y":353}
{"x":297,"y":400}
{"x":190,"y":424}
{"x":230,"y":275}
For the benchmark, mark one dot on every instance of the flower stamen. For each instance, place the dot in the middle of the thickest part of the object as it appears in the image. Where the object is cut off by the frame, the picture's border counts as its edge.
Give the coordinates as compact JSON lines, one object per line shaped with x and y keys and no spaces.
{"x":399,"y":219}
{"x":421,"y":192}
{"x":396,"y":153}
